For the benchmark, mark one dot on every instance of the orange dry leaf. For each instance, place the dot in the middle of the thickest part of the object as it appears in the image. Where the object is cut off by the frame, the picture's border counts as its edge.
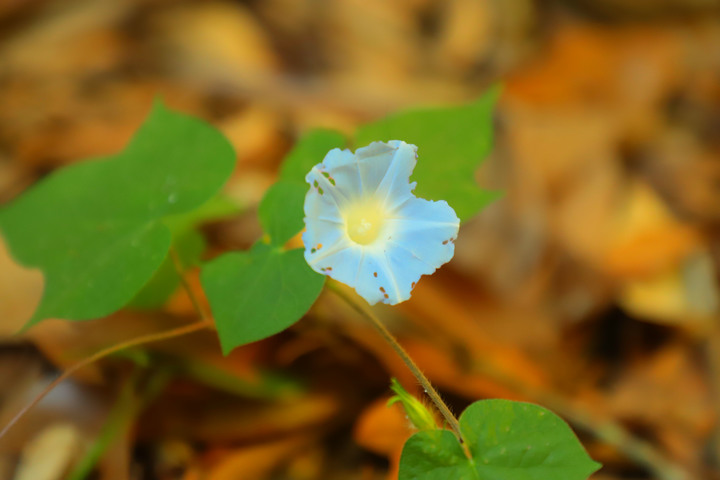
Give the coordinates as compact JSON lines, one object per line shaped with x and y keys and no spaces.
{"x":646,"y":237}
{"x":590,"y":64}
{"x":455,"y":326}
{"x":666,"y":392}
{"x":50,"y":454}
{"x":20,"y":291}
{"x":383,"y":429}
{"x":686,"y":294}
{"x":258,"y":461}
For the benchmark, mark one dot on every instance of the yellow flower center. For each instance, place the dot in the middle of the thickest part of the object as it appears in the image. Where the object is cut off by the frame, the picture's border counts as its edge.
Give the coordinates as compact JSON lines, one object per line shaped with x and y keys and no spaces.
{"x":364,"y":221}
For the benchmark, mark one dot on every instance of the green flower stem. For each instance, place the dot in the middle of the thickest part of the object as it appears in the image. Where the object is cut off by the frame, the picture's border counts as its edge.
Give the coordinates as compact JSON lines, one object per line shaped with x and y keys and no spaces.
{"x":390,"y":339}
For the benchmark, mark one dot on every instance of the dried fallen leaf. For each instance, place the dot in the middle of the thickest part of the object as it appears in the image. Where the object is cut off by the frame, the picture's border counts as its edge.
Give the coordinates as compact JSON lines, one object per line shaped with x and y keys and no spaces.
{"x":20,"y":290}
{"x":383,"y":430}
{"x":257,"y":462}
{"x":50,"y":453}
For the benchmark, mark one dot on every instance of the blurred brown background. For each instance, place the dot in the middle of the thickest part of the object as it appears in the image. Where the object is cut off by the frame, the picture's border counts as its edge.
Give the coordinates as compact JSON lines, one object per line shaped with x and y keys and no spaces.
{"x":590,"y":288}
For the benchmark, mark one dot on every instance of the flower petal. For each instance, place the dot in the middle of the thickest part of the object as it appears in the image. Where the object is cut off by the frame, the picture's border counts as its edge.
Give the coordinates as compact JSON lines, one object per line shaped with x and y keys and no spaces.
{"x":421,"y":214}
{"x":372,"y":164}
{"x":321,"y":207}
{"x":339,"y":260}
{"x":321,"y":234}
{"x":321,"y":177}
{"x":427,"y":230}
{"x":374,"y":278}
{"x":340,"y":169}
{"x":394,"y":188}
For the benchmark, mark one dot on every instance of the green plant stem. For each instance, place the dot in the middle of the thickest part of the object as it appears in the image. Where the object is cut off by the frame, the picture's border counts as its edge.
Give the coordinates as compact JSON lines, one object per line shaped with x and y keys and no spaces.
{"x":180,"y":270}
{"x":206,"y":322}
{"x":139,"y":390}
{"x":115,"y":425}
{"x":392,"y":341}
{"x":153,"y":337}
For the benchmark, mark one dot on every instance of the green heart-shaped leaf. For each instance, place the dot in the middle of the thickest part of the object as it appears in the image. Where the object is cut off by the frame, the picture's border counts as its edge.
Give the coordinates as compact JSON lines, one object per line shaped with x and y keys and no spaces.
{"x":96,"y":228}
{"x":258,"y":293}
{"x":507,"y":441}
{"x":281,"y":210}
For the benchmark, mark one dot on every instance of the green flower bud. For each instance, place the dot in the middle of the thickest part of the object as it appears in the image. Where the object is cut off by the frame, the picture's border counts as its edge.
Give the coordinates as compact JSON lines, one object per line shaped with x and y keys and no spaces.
{"x":418,"y":414}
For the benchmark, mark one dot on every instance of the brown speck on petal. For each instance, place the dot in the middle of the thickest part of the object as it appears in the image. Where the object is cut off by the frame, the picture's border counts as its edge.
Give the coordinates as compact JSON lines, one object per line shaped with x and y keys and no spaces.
{"x":382,"y":289}
{"x":387,"y":296}
{"x":375,"y":274}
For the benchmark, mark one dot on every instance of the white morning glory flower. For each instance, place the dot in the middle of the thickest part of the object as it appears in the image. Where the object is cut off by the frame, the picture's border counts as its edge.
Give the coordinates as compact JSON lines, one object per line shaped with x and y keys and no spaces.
{"x":365,"y":228}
